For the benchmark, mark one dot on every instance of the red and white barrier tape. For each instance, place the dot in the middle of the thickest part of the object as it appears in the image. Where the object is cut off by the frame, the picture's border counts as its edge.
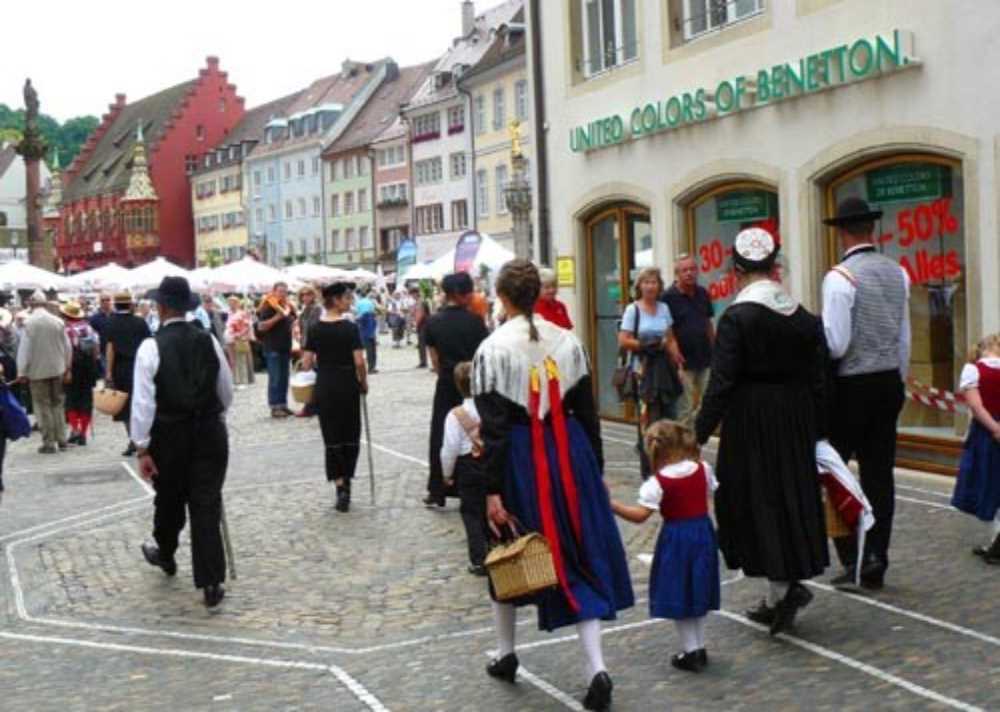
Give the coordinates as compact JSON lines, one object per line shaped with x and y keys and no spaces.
{"x":948,"y":406}
{"x":936,"y":392}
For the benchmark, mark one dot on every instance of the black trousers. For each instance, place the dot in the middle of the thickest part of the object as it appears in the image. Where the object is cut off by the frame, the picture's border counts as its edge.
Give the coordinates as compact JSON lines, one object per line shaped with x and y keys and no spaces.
{"x":446,"y":397}
{"x":191,"y":457}
{"x":471,"y":483}
{"x":422,"y":347}
{"x":371,"y":352}
{"x":863,"y":427}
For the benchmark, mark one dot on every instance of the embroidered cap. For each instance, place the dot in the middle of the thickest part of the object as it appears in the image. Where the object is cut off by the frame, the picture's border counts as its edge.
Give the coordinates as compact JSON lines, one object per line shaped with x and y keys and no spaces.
{"x":755,"y":249}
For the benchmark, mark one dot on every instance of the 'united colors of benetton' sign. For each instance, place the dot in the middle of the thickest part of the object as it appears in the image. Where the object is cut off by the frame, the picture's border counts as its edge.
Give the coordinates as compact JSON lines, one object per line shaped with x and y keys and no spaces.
{"x":839,"y":66}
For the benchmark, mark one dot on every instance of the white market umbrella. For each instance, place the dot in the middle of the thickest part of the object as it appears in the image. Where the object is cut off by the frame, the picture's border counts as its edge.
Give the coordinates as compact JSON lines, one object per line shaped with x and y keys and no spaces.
{"x":248,"y":275}
{"x":110,"y":277}
{"x":319,"y":274}
{"x":149,"y":275}
{"x":361,"y":276}
{"x":491,"y":253}
{"x":21,"y":275}
{"x":199,"y":278}
{"x":424,"y":270}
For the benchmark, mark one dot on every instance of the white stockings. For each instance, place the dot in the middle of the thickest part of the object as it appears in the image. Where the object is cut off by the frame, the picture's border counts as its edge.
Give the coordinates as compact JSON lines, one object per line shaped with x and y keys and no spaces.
{"x":691,"y":631}
{"x":590,"y":638}
{"x":504,"y":618}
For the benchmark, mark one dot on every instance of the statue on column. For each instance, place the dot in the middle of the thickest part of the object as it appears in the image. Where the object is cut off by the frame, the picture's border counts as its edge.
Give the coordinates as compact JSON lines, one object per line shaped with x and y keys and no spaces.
{"x":32,"y":149}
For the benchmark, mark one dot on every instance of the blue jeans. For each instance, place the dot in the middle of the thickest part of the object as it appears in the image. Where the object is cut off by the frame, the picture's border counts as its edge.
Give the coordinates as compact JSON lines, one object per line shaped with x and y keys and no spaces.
{"x":278,"y":365}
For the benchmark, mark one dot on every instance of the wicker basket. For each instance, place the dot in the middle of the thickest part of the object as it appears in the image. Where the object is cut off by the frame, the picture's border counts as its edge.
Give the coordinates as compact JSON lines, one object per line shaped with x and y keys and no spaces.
{"x":109,"y":401}
{"x":835,"y":526}
{"x":302,"y":384}
{"x":521,"y":568}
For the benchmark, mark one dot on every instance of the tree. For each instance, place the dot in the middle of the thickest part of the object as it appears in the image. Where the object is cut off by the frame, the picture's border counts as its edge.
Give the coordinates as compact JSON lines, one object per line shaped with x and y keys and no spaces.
{"x":67,"y":138}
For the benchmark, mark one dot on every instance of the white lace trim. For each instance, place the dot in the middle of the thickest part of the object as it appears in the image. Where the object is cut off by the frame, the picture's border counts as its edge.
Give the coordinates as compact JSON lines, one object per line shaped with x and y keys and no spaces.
{"x":770,"y":294}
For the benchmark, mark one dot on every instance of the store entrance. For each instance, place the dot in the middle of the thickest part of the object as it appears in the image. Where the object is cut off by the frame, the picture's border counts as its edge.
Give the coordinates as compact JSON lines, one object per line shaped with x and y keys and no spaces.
{"x":619,"y":243}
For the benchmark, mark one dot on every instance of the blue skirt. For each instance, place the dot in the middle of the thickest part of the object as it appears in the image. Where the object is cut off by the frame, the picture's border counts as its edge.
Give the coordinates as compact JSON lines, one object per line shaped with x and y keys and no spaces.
{"x":977,"y":489}
{"x":597,"y":570}
{"x":684,"y":582}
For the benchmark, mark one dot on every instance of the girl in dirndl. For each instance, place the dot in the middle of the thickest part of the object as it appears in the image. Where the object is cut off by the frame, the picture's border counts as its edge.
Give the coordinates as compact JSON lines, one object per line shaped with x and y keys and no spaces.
{"x":684,"y":583}
{"x":977,"y":489}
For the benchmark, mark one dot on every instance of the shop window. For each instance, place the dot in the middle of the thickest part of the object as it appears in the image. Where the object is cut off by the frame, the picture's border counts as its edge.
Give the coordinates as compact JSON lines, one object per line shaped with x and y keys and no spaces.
{"x":714,"y":220}
{"x":608,"y":32}
{"x":922,"y":228}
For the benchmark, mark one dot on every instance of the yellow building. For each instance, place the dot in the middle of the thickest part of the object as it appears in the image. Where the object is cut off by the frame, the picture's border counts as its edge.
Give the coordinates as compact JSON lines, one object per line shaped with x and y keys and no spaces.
{"x":500,"y":99}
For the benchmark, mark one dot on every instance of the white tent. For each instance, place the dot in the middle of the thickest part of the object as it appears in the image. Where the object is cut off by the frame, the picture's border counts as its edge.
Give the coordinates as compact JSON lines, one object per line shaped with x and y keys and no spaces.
{"x":199,"y":278}
{"x":248,"y":275}
{"x":109,"y":277}
{"x":320,"y":274}
{"x":21,"y":275}
{"x":420,"y":271}
{"x":491,"y":253}
{"x":361,"y":276}
{"x":149,"y":275}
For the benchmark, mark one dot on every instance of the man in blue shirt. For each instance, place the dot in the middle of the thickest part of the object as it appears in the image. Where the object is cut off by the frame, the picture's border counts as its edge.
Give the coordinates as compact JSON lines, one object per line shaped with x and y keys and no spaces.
{"x":364,"y":310}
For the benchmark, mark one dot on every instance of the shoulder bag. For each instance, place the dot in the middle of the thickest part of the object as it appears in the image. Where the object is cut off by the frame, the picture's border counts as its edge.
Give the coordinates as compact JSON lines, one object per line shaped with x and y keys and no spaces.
{"x":623,"y":378}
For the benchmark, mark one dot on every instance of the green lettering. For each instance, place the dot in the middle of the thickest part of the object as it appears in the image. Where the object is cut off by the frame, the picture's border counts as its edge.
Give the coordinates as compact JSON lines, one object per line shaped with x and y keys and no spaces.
{"x":725,"y":97}
{"x":883,"y":52}
{"x":799,"y":80}
{"x":840,"y":53}
{"x":635,"y":122}
{"x":700,"y":110}
{"x":617,"y":129}
{"x":741,"y":89}
{"x":686,"y":111}
{"x":779,"y":88}
{"x":861,"y":58}
{"x":763,"y":87}
{"x":812,"y":70}
{"x":673,"y":111}
{"x":649,"y":119}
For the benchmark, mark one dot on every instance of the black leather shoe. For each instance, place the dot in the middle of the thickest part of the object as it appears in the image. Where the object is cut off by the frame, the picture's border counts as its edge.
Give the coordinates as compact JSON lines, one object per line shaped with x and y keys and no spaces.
{"x":702,"y":657}
{"x":992,"y":554}
{"x":431,"y":501}
{"x":846,"y":578}
{"x":687,"y":661}
{"x":873,"y":573}
{"x":980,"y":551}
{"x":477,"y":569}
{"x":762,"y":614}
{"x":153,"y":558}
{"x":504,"y":668}
{"x":798,"y":596}
{"x":214,"y":593}
{"x":599,"y":695}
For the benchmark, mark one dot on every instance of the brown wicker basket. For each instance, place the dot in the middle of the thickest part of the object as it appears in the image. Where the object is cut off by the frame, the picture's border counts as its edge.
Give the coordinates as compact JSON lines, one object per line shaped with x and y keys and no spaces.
{"x":522,"y":567}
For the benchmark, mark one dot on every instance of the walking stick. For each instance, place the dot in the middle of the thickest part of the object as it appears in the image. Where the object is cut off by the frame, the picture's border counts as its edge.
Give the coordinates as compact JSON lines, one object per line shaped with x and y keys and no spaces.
{"x":227,"y":543}
{"x":368,"y":439}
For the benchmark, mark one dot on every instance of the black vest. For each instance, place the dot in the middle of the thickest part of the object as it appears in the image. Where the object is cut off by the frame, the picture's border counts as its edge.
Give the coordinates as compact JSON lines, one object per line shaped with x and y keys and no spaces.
{"x":187,"y":376}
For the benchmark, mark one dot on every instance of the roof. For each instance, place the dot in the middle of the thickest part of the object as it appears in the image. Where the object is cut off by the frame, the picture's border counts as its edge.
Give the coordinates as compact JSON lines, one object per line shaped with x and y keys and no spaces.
{"x":106,"y":170}
{"x":506,"y":46}
{"x":249,"y":129}
{"x":7,"y":156}
{"x":336,"y":89}
{"x":465,"y":52}
{"x":382,"y":110}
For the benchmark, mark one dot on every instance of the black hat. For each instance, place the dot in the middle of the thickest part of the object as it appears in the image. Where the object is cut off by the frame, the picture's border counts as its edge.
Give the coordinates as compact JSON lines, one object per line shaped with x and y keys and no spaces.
{"x":175,"y":293}
{"x":852,"y":211}
{"x":336,"y":289}
{"x":457,"y":284}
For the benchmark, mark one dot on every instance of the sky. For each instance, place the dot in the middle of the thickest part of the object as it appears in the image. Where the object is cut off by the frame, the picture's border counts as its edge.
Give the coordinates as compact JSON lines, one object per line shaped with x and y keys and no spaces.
{"x":86,"y":52}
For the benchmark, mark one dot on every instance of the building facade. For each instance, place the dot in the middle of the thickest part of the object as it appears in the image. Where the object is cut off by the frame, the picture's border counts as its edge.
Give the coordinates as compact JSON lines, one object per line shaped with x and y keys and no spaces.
{"x":672,"y":125}
{"x":285,"y":172}
{"x":175,"y":126}
{"x":13,"y":215}
{"x":351,"y":217}
{"x":438,"y":117}
{"x":498,"y":85}
{"x":392,"y":191}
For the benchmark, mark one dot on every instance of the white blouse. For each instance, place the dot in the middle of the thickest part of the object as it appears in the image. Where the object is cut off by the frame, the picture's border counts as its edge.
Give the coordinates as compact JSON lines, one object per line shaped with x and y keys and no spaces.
{"x":970,"y":374}
{"x":650,"y":494}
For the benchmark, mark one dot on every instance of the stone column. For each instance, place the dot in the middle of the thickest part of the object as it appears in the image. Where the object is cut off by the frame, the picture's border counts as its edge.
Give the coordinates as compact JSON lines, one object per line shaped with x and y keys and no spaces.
{"x":32,"y":150}
{"x":518,"y":198}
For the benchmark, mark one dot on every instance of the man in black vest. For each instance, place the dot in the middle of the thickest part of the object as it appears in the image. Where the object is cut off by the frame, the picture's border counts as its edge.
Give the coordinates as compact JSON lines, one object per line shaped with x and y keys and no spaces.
{"x":182,"y":389}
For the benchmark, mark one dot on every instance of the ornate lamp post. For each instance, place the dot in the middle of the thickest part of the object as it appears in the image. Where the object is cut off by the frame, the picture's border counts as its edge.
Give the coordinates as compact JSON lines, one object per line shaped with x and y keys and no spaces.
{"x":517,"y":194}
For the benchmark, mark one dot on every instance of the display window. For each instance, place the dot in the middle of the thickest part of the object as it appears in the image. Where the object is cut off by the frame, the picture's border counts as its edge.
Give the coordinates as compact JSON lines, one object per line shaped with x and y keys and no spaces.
{"x":714,"y":219}
{"x":922,"y":228}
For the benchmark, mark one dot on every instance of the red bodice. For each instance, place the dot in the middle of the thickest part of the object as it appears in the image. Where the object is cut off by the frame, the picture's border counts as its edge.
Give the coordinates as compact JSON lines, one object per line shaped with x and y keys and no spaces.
{"x":684,"y":497}
{"x":989,"y":388}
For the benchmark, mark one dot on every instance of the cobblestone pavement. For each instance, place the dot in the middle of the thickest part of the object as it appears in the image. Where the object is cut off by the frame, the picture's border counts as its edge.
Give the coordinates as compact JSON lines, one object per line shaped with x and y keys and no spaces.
{"x":374,"y":610}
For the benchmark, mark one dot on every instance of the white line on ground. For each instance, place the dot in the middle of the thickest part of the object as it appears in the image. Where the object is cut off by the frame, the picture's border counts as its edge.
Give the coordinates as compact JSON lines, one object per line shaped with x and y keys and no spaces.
{"x":135,"y":476}
{"x":854,"y":664}
{"x":355,"y":687}
{"x":81,"y":515}
{"x":930,"y":620}
{"x":935,"y":505}
{"x":919,"y":490}
{"x":617,"y":440}
{"x":550,"y":689}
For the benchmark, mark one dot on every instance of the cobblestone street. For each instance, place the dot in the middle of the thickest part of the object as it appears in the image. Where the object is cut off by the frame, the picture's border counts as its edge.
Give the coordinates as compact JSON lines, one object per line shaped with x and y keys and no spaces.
{"x":374,"y":610}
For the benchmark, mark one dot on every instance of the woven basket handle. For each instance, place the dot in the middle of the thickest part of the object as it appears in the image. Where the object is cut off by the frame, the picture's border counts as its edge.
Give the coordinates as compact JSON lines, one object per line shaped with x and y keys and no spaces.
{"x":512,"y":527}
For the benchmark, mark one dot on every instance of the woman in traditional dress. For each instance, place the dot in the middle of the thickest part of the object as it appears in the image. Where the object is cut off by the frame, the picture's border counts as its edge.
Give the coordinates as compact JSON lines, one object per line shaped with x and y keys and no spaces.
{"x":83,"y":374}
{"x":544,"y":461}
{"x":767,"y":389}
{"x":125,"y":334}
{"x":334,"y":347}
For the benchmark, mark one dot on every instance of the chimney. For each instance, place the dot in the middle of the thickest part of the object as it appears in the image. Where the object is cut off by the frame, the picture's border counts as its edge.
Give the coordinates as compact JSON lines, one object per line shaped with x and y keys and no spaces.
{"x":212,"y":62}
{"x":468,"y":17}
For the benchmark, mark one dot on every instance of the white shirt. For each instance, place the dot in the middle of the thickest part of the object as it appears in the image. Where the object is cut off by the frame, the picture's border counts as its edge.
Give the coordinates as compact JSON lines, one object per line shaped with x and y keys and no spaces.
{"x":970,"y":374}
{"x":651,"y":494}
{"x":838,"y":301}
{"x":147,"y":363}
{"x":456,"y":441}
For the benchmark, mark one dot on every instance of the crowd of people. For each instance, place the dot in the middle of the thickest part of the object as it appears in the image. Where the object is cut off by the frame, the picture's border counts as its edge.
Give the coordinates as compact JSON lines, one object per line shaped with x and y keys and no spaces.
{"x":514,"y":431}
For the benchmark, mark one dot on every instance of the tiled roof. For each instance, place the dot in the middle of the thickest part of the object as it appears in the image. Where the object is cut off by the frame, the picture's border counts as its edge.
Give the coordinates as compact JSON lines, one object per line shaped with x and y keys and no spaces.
{"x":466,"y":52}
{"x":7,"y":157}
{"x":501,"y":50}
{"x":105,"y":170}
{"x":339,"y":88}
{"x":382,"y":110}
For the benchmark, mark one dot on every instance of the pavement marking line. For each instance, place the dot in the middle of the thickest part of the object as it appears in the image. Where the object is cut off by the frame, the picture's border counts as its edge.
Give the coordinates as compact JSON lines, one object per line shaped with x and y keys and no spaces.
{"x":930,"y":620}
{"x":135,"y":476}
{"x":617,"y":440}
{"x":547,"y":687}
{"x":353,"y":686}
{"x":74,"y":517}
{"x":854,"y":664}
{"x":935,"y":505}
{"x":920,"y":490}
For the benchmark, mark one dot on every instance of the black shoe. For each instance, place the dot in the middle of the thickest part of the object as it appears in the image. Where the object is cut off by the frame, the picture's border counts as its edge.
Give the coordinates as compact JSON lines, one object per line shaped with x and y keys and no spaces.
{"x":798,"y":596}
{"x":431,"y":501}
{"x":214,"y":593}
{"x":504,"y":668}
{"x":63,"y":446}
{"x":762,"y":614}
{"x":687,"y":661}
{"x":991,"y":555}
{"x":846,"y":578}
{"x":130,"y":450}
{"x":702,"y":657}
{"x":873,"y":573}
{"x":599,"y":694}
{"x":477,"y":569}
{"x":152,"y":554}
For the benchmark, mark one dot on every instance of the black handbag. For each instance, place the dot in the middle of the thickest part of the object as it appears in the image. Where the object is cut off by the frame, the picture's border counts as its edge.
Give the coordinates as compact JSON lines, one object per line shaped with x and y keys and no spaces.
{"x":624,"y":378}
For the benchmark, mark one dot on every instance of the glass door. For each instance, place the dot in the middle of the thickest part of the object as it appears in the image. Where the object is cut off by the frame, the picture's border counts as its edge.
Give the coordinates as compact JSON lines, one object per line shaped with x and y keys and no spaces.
{"x":618,"y":240}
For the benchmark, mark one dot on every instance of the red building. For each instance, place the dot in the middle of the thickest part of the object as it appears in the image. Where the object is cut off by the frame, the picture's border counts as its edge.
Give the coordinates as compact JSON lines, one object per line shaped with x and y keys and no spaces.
{"x":150,"y":145}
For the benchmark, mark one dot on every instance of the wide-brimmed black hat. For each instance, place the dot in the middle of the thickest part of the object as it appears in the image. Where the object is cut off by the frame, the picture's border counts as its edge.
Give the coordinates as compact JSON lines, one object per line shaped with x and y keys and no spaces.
{"x":334,"y":290}
{"x":852,"y":211}
{"x":175,"y":293}
{"x":459,"y":283}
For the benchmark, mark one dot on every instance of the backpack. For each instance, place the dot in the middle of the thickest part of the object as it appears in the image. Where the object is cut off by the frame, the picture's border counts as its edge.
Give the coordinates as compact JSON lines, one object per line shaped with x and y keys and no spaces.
{"x":471,"y":428}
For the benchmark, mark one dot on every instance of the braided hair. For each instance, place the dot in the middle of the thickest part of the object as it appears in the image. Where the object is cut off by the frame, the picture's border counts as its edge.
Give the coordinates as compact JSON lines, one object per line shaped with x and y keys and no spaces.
{"x":520,"y":283}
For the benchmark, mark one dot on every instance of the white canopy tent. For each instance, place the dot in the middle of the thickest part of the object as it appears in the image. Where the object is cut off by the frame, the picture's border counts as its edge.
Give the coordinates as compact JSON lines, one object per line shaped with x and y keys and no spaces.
{"x":248,"y":275}
{"x":361,"y":276}
{"x":109,"y":277}
{"x":149,"y":275}
{"x":318,"y":274}
{"x":21,"y":275}
{"x":491,"y":254}
{"x":423,"y":270}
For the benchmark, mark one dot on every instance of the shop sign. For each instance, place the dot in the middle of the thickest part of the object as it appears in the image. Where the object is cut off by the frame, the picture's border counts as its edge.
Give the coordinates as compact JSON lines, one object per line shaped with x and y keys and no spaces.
{"x":742,"y":206}
{"x":904,"y":183}
{"x":864,"y":58}
{"x":566,"y":271}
